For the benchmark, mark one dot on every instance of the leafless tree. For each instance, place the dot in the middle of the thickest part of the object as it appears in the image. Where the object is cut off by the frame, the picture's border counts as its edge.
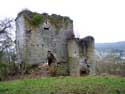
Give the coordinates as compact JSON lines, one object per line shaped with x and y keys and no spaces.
{"x":5,"y":25}
{"x":6,"y":41}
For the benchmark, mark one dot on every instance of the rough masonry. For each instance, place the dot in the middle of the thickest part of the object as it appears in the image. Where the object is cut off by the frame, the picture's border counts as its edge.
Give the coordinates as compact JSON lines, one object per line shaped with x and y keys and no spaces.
{"x":36,"y":34}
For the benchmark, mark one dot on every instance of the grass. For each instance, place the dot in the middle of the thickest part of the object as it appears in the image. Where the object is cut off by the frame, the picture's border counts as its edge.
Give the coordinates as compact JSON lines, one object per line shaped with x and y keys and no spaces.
{"x":66,"y":85}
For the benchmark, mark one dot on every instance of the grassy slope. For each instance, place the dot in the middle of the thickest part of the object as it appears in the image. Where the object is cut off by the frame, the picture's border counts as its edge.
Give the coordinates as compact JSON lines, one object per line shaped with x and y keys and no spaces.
{"x":65,"y":85}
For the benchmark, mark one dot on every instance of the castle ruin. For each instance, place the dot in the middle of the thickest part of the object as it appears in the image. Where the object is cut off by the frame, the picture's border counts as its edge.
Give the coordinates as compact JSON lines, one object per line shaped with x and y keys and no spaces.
{"x":37,"y":34}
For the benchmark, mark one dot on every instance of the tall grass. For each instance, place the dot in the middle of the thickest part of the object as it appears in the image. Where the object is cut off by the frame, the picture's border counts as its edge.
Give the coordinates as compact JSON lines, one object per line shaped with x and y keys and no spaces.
{"x":110,"y":68}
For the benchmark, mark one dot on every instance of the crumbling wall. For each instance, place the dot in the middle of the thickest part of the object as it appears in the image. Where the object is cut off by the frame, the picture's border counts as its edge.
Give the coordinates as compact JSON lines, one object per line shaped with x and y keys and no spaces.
{"x":87,"y":46}
{"x":36,"y":34}
{"x":39,"y":33}
{"x":74,"y":57}
{"x":79,"y":49}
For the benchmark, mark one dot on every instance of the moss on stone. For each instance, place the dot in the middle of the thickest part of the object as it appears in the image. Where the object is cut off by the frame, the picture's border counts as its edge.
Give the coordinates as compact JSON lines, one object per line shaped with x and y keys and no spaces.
{"x":35,"y":19}
{"x":58,"y":21}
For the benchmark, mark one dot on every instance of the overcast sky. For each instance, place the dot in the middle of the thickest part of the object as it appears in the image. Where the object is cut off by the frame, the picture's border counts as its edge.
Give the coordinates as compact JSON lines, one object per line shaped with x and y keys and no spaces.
{"x":103,"y":19}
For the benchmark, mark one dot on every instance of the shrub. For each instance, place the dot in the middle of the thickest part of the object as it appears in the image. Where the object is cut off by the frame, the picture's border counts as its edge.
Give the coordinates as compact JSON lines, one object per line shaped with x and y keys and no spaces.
{"x":110,"y":68}
{"x":7,"y":70}
{"x":36,"y":19}
{"x":3,"y":70}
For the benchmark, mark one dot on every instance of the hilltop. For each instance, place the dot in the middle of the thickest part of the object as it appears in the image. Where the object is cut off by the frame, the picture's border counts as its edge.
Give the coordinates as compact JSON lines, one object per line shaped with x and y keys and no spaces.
{"x":114,"y":45}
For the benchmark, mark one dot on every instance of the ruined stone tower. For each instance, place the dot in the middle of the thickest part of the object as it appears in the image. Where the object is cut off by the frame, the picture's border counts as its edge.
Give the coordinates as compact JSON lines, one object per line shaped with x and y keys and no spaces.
{"x":36,"y":34}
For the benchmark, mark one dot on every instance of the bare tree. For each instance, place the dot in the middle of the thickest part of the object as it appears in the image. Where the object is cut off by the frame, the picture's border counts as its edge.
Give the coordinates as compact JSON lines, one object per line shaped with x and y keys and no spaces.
{"x":5,"y":25}
{"x":6,"y":41}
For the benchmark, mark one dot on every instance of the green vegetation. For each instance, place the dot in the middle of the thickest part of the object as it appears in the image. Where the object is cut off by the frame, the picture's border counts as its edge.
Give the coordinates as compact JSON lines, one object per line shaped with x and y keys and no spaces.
{"x":62,"y":69}
{"x":3,"y":67}
{"x":37,"y":19}
{"x":3,"y":70}
{"x":7,"y":69}
{"x":65,"y":85}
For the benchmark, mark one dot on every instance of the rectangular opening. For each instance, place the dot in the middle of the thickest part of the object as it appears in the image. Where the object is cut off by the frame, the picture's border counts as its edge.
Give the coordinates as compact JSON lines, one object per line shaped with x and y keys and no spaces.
{"x":46,"y":28}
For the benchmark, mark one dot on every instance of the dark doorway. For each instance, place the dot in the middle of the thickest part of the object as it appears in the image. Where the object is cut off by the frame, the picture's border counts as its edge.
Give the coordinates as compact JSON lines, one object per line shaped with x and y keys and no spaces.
{"x":51,"y":58}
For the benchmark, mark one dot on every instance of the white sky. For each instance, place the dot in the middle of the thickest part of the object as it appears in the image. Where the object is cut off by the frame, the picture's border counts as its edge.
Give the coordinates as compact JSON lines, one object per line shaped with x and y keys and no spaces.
{"x":103,"y":19}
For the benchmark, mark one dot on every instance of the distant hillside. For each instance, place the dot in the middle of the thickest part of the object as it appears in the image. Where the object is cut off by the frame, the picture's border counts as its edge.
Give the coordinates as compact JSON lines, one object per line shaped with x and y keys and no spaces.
{"x":115,"y":45}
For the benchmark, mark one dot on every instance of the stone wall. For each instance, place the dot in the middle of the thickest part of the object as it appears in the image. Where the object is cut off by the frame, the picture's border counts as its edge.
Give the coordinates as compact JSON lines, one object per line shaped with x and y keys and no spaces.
{"x":87,"y":46}
{"x":79,"y":49}
{"x":33,"y":42}
{"x":36,"y":34}
{"x":74,"y":57}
